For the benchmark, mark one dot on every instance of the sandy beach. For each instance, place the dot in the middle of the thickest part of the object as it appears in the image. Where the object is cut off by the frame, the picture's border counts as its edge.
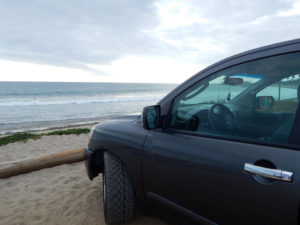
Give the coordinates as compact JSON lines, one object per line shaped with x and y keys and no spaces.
{"x":58,"y":195}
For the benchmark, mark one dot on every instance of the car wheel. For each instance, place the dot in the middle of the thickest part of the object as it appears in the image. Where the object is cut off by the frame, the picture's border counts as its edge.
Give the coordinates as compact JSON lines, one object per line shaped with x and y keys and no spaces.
{"x":118,"y":195}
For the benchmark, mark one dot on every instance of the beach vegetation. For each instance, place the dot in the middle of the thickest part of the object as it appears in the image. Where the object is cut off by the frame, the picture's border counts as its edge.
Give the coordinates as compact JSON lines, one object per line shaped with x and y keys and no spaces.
{"x":18,"y":137}
{"x":69,"y":131}
{"x":25,"y":136}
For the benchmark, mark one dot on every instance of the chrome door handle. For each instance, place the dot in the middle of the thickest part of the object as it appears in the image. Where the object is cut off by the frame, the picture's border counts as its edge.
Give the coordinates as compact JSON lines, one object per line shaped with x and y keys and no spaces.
{"x":270,"y":173}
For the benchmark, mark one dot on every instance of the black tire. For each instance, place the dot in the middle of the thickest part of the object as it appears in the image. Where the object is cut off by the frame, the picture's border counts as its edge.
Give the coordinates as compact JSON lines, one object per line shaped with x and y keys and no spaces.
{"x":118,"y":195}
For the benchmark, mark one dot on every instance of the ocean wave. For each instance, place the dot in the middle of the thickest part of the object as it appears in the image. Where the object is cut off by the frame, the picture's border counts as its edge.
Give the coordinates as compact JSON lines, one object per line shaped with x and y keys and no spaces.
{"x":79,"y":101}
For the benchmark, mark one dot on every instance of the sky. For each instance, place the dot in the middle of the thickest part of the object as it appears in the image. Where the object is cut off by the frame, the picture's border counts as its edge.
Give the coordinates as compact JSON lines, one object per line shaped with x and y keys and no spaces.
{"x":134,"y":41}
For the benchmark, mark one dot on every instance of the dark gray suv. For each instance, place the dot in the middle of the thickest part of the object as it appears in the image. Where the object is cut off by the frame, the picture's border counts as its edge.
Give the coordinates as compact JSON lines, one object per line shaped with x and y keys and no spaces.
{"x":221,"y":148}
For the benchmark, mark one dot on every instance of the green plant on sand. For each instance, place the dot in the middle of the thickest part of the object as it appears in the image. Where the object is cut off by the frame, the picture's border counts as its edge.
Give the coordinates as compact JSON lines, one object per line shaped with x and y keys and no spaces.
{"x":69,"y":131}
{"x":26,"y":136}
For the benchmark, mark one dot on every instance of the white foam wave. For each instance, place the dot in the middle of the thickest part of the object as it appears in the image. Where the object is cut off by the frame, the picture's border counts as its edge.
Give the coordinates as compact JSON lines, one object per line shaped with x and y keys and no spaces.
{"x":78,"y":101}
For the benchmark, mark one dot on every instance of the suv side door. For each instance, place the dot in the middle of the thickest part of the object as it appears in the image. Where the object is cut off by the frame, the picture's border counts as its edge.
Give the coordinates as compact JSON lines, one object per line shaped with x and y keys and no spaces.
{"x":198,"y":164}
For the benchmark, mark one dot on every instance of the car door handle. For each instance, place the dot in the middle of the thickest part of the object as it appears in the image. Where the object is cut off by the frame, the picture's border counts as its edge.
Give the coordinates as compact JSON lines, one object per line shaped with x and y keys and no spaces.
{"x":275,"y":174}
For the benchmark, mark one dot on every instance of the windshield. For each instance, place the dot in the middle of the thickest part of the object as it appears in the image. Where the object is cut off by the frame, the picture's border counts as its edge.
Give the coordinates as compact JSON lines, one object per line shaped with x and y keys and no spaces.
{"x":219,"y":91}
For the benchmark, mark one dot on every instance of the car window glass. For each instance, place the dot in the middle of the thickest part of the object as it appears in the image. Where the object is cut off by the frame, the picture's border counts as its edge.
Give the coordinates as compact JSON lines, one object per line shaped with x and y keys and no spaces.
{"x":286,"y":88}
{"x":256,"y":100}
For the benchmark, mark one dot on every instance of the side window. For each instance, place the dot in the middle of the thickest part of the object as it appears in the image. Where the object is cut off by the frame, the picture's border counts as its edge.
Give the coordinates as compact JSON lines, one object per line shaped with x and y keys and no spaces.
{"x":256,"y":100}
{"x":284,"y":94}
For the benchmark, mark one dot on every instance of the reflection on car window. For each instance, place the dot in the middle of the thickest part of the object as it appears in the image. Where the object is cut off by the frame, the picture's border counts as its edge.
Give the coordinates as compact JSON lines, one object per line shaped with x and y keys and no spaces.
{"x":216,"y":91}
{"x":256,"y":100}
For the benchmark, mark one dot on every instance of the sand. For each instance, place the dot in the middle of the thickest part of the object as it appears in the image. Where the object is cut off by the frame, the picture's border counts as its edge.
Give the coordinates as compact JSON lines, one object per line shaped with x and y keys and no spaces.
{"x":58,"y":195}
{"x":42,"y":146}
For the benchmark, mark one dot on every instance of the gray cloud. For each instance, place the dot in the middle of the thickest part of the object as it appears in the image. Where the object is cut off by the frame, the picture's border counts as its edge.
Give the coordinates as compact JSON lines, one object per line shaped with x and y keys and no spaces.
{"x":75,"y":33}
{"x":232,"y":27}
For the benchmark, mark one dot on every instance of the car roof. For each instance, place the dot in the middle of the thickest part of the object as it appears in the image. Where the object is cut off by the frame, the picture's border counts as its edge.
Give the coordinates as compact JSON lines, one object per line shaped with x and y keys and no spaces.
{"x":267,"y":47}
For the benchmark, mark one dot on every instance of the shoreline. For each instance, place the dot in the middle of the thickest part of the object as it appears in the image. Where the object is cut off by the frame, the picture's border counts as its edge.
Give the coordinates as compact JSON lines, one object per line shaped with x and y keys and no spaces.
{"x":84,"y":123}
{"x":55,"y":128}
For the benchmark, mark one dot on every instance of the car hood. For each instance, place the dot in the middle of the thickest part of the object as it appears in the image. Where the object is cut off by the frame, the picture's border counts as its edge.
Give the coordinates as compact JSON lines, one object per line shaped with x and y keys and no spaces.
{"x":119,"y":130}
{"x":118,"y":123}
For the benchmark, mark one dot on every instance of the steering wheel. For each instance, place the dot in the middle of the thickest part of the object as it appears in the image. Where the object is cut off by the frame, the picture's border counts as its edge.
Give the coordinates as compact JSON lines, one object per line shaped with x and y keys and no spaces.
{"x":222,"y":119}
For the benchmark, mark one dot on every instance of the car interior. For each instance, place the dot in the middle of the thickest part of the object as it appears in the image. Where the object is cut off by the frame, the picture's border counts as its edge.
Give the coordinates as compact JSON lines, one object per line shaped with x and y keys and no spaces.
{"x":259,"y":103}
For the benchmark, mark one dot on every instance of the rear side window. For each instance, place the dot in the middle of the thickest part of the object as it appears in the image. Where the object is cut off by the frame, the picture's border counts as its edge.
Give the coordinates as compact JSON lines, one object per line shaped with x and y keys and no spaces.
{"x":256,"y":100}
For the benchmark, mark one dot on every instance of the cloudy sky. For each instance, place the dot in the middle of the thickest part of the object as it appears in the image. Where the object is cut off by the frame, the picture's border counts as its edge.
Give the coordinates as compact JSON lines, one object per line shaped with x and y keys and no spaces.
{"x":136,"y":40}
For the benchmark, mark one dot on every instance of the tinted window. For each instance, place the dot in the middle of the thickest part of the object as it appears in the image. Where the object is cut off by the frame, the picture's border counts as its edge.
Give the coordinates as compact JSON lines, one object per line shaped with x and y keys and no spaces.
{"x":255,"y":100}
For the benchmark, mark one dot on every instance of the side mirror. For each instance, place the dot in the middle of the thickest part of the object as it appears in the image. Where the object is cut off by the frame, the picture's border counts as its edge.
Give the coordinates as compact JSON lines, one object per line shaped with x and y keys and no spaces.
{"x":264,"y":102}
{"x":151,"y":117}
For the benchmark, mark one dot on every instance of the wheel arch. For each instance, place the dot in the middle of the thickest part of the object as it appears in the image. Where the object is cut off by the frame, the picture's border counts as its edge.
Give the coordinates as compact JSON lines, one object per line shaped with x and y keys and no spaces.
{"x":97,"y":162}
{"x":97,"y":165}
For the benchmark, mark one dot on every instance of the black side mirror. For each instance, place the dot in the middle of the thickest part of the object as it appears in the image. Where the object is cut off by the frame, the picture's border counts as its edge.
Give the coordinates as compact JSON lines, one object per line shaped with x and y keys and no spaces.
{"x":151,"y":117}
{"x":264,"y":102}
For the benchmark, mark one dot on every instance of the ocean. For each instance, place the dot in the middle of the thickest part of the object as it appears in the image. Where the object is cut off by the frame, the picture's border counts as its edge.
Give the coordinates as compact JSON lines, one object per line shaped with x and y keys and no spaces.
{"x":29,"y":106}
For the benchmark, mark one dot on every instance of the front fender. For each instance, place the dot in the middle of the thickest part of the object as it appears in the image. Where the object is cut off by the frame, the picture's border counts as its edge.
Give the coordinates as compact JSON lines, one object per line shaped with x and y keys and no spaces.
{"x":125,"y":138}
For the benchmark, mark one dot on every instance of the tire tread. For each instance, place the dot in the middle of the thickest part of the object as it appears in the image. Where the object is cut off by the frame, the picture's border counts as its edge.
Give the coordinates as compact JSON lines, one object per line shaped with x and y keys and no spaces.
{"x":119,"y":190}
